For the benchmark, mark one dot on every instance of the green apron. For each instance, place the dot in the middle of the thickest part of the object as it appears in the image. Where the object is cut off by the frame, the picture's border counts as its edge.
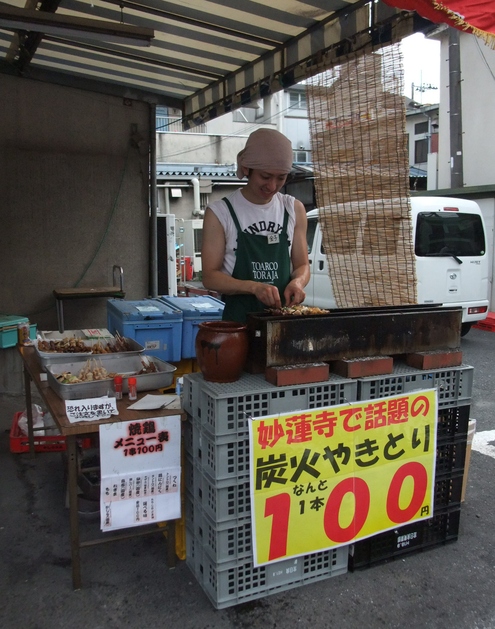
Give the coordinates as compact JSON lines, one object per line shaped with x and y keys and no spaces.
{"x":257,"y":259}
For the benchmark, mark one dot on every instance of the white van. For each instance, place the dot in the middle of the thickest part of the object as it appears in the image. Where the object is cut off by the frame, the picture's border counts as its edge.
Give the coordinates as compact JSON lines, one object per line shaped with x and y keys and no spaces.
{"x":452,"y":266}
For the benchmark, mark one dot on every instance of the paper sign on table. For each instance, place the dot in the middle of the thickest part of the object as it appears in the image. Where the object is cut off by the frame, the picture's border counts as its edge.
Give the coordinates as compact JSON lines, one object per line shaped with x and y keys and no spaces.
{"x":90,"y":409}
{"x":152,"y":402}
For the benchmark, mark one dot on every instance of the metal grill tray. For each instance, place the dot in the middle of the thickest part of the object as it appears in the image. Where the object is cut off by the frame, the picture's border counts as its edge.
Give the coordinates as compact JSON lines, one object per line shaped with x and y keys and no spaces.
{"x":114,"y":363}
{"x":49,"y":358}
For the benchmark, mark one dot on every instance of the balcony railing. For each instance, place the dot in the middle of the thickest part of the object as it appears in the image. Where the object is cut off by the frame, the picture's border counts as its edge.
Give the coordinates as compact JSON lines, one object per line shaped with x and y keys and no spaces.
{"x":173,"y":124}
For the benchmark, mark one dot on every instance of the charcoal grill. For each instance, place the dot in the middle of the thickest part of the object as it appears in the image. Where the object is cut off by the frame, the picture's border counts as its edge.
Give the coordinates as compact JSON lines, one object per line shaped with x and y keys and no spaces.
{"x":350,"y":333}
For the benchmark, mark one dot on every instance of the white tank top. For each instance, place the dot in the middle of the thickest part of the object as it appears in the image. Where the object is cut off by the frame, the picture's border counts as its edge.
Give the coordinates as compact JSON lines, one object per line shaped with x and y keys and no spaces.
{"x":252,"y":218}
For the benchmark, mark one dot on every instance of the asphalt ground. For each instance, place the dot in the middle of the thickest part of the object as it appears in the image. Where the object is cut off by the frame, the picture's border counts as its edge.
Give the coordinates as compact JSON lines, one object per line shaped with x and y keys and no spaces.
{"x":127,"y":584}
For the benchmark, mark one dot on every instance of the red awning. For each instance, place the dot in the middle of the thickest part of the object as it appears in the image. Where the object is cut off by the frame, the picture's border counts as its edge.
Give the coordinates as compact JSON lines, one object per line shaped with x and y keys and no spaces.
{"x":472,"y":16}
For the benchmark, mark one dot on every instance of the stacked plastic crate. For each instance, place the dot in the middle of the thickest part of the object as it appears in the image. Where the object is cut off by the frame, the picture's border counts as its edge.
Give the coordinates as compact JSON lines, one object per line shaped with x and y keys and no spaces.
{"x":454,"y":387}
{"x":218,"y":501}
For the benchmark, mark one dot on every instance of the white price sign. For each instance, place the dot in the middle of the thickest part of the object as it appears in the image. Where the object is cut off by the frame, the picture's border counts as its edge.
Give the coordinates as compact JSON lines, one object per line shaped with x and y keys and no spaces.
{"x":140,"y":472}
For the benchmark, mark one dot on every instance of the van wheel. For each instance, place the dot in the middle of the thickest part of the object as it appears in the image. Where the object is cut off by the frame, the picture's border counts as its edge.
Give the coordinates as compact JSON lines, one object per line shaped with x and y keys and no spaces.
{"x":465,"y":327}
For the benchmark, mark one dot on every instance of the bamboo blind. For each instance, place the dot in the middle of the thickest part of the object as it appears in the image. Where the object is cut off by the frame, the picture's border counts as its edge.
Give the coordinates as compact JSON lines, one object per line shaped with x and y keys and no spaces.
{"x":357,"y":126}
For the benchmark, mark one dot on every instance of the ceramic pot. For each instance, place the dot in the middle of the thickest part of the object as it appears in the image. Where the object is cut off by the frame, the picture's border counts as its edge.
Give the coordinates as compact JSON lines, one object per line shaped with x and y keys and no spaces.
{"x":221,"y":350}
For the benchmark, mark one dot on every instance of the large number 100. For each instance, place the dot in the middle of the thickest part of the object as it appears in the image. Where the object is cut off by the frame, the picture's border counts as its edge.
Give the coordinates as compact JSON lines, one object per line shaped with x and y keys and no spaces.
{"x":279,"y":507}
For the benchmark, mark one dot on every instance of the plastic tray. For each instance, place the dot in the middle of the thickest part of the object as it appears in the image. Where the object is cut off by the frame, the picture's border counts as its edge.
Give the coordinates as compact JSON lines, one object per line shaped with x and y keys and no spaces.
{"x":114,"y":363}
{"x":50,"y":358}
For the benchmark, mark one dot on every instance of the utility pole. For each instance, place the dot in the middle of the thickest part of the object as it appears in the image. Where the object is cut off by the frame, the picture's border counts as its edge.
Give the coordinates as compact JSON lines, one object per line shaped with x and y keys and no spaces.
{"x":455,"y":107}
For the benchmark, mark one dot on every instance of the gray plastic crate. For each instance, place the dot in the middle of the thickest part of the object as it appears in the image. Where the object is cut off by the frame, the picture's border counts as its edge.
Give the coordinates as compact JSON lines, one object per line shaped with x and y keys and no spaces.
{"x":238,"y":582}
{"x":191,"y":474}
{"x":194,"y":554}
{"x":223,"y":541}
{"x":454,"y":385}
{"x":187,"y":435}
{"x":221,"y":457}
{"x":223,"y":500}
{"x":225,"y":409}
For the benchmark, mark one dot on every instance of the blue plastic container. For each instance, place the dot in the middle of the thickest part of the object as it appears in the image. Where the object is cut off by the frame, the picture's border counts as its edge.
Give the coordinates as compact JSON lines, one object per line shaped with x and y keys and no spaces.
{"x":195,"y":309}
{"x":153,"y":324}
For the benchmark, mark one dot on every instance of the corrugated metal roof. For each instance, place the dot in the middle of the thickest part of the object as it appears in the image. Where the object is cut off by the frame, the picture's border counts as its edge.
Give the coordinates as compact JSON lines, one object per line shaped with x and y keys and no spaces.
{"x":207,"y":57}
{"x":414,"y":171}
{"x":165,"y":170}
{"x":186,"y":171}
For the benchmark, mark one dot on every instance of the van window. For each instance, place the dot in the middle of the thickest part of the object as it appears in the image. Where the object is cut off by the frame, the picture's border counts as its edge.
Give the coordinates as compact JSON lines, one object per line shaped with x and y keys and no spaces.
{"x":449,"y":233}
{"x":310,"y":233}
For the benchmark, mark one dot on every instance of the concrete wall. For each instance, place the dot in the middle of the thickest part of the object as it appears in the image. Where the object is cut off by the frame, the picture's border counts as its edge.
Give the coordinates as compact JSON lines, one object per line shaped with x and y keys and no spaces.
{"x":478,"y":122}
{"x":74,"y":201}
{"x":198,"y":148}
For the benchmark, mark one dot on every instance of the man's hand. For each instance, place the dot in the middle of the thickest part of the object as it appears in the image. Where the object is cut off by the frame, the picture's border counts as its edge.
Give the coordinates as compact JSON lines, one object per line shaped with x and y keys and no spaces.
{"x":267,"y":294}
{"x":294,"y":294}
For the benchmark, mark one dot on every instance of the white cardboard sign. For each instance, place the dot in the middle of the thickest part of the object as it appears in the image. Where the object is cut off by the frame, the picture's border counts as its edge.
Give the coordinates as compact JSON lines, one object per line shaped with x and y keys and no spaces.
{"x":140,"y":472}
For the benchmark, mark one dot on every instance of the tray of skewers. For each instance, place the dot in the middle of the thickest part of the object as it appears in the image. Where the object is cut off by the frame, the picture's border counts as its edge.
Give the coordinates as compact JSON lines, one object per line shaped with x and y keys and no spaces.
{"x":88,"y":377}
{"x":53,"y":350}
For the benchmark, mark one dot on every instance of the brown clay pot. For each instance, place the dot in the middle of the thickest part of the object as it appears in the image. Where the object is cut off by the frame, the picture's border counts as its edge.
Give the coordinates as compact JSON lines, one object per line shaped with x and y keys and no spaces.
{"x":221,"y":350}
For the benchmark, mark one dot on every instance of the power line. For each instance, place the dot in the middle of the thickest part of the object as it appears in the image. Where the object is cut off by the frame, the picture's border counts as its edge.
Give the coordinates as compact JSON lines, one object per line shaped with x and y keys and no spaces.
{"x":484,"y":58}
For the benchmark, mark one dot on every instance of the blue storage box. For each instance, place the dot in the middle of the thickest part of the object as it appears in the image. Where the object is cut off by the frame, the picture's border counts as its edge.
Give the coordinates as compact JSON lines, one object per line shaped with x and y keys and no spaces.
{"x":8,"y":329}
{"x":154,"y":325}
{"x":195,"y":310}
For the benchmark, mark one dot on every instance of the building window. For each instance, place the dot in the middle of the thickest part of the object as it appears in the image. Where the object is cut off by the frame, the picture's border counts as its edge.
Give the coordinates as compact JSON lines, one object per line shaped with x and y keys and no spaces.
{"x":421,"y":127}
{"x":421,"y":151}
{"x":297,"y":100}
{"x":303,"y":157}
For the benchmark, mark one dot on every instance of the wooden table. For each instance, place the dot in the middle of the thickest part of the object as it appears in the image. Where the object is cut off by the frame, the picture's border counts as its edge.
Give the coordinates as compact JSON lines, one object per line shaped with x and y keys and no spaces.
{"x":56,"y":406}
{"x":82,"y":293}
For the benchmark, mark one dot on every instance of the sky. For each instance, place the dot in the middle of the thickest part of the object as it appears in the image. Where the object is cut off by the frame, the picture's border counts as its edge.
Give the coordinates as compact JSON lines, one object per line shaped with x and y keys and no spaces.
{"x":421,"y":67}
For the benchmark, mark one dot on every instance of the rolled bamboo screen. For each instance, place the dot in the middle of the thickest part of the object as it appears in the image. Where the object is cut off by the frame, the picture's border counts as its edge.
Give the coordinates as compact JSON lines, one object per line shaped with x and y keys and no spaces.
{"x":357,"y":125}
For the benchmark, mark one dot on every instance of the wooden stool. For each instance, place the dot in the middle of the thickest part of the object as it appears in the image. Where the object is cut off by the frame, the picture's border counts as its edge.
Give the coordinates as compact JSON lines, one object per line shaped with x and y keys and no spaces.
{"x":86,"y":292}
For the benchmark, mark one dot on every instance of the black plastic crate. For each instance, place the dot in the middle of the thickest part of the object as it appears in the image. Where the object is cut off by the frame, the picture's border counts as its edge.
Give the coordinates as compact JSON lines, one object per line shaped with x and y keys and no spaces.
{"x":407,"y":539}
{"x":450,"y":458}
{"x":453,"y":423}
{"x":447,"y":492}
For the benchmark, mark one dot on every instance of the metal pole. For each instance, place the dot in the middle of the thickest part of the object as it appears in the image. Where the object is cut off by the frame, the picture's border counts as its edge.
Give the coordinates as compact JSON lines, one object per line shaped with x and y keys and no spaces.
{"x":455,"y":107}
{"x":153,"y":204}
